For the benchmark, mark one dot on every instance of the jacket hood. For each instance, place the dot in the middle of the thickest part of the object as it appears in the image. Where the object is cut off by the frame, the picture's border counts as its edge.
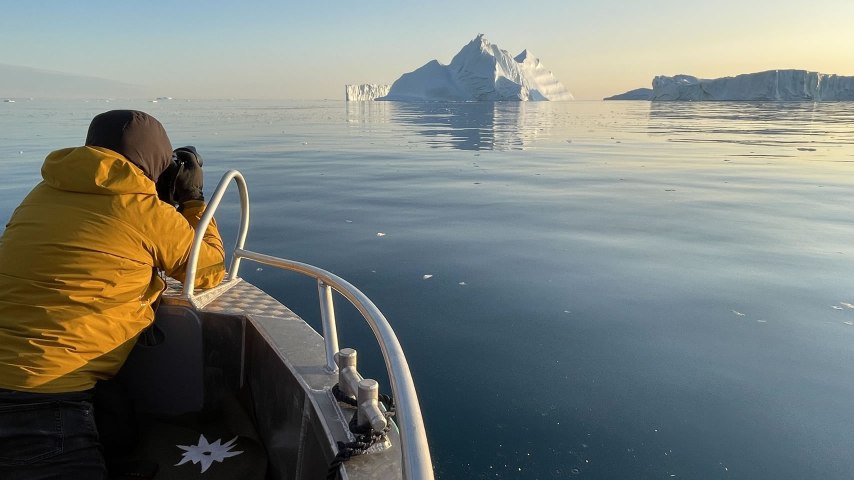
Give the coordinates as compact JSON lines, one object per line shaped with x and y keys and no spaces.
{"x":94,"y":170}
{"x":136,"y":135}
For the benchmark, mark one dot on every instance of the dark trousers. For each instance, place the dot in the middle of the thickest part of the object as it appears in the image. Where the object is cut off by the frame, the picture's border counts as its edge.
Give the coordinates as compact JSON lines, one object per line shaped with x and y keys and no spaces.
{"x":49,"y":436}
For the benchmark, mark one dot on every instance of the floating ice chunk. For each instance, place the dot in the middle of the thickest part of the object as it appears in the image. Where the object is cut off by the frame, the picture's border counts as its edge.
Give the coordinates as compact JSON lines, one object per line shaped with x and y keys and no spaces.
{"x":259,"y":269}
{"x":463,"y":283}
{"x":348,"y":221}
{"x":380,"y":234}
{"x":848,"y":323}
{"x":846,"y":304}
{"x":738,"y":313}
{"x":836,"y":307}
{"x":427,"y":277}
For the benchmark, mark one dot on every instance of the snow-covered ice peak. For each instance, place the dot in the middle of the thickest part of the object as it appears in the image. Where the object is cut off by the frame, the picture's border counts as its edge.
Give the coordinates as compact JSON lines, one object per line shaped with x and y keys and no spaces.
{"x":525,"y":54}
{"x":481,"y":71}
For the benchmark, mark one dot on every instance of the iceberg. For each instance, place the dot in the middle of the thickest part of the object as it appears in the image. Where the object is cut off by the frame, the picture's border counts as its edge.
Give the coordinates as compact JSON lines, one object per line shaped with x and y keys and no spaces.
{"x":480,"y":72}
{"x":636,"y":94}
{"x":368,"y":91}
{"x":771,"y":85}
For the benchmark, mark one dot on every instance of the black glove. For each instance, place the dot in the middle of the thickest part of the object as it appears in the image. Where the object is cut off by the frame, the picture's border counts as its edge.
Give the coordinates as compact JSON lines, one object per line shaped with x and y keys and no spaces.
{"x":166,"y":182}
{"x":189,"y":179}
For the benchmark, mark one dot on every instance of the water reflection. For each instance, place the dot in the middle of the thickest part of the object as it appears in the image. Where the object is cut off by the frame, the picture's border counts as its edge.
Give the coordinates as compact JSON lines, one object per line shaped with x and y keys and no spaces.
{"x":462,"y":126}
{"x":753,"y":123}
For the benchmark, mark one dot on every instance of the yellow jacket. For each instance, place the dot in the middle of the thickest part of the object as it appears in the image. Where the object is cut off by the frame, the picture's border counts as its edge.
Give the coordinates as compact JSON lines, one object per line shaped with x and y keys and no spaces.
{"x":77,"y":269}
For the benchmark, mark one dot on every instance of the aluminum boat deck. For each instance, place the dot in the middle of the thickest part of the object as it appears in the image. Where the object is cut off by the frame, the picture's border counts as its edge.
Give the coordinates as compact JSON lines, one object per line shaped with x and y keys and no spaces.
{"x":236,"y":342}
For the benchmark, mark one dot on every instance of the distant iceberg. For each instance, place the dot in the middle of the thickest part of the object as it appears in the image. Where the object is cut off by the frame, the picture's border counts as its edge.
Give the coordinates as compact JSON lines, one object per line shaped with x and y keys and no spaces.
{"x":480,"y":72}
{"x":636,"y":94}
{"x":771,"y":85}
{"x":358,"y":93}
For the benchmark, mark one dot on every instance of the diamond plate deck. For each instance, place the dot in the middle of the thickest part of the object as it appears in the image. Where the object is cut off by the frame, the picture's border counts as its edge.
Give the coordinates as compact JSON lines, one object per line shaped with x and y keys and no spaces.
{"x":241,"y":299}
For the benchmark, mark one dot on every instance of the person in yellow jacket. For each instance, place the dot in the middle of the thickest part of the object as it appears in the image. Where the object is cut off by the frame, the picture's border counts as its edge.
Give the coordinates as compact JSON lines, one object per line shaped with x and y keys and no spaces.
{"x":81,"y":261}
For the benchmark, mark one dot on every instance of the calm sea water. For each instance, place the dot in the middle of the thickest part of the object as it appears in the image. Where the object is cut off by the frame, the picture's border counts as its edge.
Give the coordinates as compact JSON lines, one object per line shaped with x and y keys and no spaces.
{"x":618,"y":289}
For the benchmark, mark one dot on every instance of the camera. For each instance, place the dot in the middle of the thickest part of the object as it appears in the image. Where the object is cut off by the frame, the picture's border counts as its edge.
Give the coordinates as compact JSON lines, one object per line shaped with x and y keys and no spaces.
{"x":182,"y":180}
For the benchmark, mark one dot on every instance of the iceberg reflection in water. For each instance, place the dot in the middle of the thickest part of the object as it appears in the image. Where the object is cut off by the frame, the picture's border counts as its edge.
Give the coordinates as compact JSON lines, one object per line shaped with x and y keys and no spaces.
{"x":462,"y":125}
{"x":804,"y":124}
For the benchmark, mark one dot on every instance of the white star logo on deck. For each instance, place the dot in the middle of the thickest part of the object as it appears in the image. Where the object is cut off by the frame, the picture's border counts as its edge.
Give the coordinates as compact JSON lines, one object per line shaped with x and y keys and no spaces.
{"x":207,"y":453}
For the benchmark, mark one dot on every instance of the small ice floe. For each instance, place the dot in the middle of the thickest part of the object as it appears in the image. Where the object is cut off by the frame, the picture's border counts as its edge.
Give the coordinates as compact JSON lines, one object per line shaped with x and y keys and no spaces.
{"x":836,"y":307}
{"x":20,"y":152}
{"x":9,"y":100}
{"x":844,"y":304}
{"x":738,"y":313}
{"x":849,"y":323}
{"x":305,"y":143}
{"x":463,"y":284}
{"x":259,"y":269}
{"x":762,"y":321}
{"x":380,"y":234}
{"x":348,"y":221}
{"x":426,"y":277}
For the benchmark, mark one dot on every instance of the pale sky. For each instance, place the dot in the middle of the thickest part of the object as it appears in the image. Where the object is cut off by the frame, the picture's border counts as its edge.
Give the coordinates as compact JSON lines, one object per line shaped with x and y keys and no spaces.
{"x":310,"y":50}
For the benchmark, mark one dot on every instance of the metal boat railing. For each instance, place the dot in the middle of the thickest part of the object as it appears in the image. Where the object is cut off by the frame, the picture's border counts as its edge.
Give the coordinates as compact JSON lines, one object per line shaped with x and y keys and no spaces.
{"x":413,"y":438}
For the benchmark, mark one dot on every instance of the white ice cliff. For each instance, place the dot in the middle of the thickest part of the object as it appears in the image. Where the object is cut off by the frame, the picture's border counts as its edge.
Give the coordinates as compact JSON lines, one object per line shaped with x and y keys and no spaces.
{"x":480,"y":72}
{"x":775,"y":85}
{"x":357,"y":93}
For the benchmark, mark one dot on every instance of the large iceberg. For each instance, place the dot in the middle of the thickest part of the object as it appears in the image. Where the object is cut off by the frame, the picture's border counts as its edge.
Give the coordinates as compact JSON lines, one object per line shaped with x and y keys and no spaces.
{"x":772,"y":85}
{"x":480,"y":72}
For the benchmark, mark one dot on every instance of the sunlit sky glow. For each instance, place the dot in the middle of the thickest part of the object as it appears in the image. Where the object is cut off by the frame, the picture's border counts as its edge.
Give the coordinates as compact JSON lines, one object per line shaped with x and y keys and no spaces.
{"x":277,"y":49}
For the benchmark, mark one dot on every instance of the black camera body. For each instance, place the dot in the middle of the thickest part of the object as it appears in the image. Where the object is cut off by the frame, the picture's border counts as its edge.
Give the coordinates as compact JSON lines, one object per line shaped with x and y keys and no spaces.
{"x":182,"y":180}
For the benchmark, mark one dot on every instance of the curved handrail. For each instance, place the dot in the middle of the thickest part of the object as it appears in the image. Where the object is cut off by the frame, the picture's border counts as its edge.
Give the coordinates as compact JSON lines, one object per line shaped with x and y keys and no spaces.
{"x":413,"y":436}
{"x":213,"y":204}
